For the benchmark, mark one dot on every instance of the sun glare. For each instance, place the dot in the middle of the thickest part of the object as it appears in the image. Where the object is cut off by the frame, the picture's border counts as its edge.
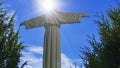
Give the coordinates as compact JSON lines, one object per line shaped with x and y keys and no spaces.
{"x":47,"y":6}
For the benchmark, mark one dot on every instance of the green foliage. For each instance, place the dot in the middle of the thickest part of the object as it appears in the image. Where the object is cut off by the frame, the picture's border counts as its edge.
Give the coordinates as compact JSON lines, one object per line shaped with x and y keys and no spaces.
{"x":106,"y":53}
{"x":10,"y":47}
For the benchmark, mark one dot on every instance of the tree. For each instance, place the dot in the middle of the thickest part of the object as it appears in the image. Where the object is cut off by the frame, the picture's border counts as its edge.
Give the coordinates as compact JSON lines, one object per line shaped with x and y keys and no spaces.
{"x":10,"y":47}
{"x":106,"y":53}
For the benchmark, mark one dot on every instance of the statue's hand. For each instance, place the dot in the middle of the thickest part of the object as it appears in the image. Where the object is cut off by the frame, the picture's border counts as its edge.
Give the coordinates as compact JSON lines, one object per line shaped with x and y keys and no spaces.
{"x":22,"y":24}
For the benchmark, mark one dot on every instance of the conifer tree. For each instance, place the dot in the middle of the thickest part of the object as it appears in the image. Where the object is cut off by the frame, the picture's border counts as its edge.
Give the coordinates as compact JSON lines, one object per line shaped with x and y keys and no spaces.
{"x":106,"y":53}
{"x":10,"y":46}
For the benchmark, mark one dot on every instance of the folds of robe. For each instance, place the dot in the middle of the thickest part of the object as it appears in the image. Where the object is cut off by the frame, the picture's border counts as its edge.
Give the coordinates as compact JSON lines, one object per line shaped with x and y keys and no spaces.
{"x":52,"y":51}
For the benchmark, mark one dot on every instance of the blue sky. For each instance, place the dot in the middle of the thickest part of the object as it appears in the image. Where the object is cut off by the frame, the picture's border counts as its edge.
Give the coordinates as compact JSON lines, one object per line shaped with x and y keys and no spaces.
{"x":73,"y":36}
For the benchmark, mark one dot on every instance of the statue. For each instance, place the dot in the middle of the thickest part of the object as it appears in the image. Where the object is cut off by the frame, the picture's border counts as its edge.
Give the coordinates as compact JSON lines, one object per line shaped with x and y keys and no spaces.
{"x":52,"y":22}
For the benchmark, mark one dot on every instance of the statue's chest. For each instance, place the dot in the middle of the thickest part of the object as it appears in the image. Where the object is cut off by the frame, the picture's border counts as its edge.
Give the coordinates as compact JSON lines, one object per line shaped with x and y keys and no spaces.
{"x":53,"y":20}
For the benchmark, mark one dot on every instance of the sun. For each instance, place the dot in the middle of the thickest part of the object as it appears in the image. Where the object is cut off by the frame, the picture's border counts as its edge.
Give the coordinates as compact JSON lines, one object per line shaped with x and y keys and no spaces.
{"x":47,"y":6}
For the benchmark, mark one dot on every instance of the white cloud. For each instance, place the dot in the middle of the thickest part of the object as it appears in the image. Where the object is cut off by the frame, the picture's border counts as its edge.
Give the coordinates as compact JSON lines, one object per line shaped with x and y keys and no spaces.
{"x":36,"y":49}
{"x":36,"y":62}
{"x":66,"y":62}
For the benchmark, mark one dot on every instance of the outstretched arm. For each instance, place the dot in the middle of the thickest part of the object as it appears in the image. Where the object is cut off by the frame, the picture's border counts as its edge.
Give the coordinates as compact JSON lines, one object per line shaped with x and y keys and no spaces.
{"x":35,"y":22}
{"x":66,"y":18}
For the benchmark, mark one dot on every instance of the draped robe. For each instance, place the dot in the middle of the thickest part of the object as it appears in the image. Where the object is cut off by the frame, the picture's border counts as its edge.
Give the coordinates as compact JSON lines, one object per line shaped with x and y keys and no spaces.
{"x":52,"y":22}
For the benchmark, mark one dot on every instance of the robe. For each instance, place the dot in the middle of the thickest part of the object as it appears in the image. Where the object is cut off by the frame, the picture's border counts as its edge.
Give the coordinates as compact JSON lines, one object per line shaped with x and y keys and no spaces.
{"x":52,"y":22}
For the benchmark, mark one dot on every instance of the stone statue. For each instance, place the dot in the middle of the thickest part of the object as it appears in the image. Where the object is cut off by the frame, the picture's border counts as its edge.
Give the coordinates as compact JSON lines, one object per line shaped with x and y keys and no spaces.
{"x":52,"y":22}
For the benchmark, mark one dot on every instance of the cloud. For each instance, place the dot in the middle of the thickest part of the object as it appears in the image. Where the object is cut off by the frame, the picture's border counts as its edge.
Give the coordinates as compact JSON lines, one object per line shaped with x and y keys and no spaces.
{"x":36,"y":49}
{"x":36,"y":62}
{"x":66,"y":62}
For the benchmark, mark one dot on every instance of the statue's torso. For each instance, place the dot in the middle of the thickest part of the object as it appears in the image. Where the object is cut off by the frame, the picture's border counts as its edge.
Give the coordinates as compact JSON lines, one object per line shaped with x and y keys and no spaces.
{"x":52,"y":20}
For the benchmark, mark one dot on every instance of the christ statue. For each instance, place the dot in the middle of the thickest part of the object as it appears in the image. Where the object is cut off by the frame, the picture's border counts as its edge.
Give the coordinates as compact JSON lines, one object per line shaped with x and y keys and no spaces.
{"x":52,"y":22}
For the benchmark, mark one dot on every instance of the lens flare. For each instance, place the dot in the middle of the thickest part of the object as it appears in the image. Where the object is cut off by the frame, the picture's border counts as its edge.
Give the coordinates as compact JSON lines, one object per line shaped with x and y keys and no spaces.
{"x":47,"y":6}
